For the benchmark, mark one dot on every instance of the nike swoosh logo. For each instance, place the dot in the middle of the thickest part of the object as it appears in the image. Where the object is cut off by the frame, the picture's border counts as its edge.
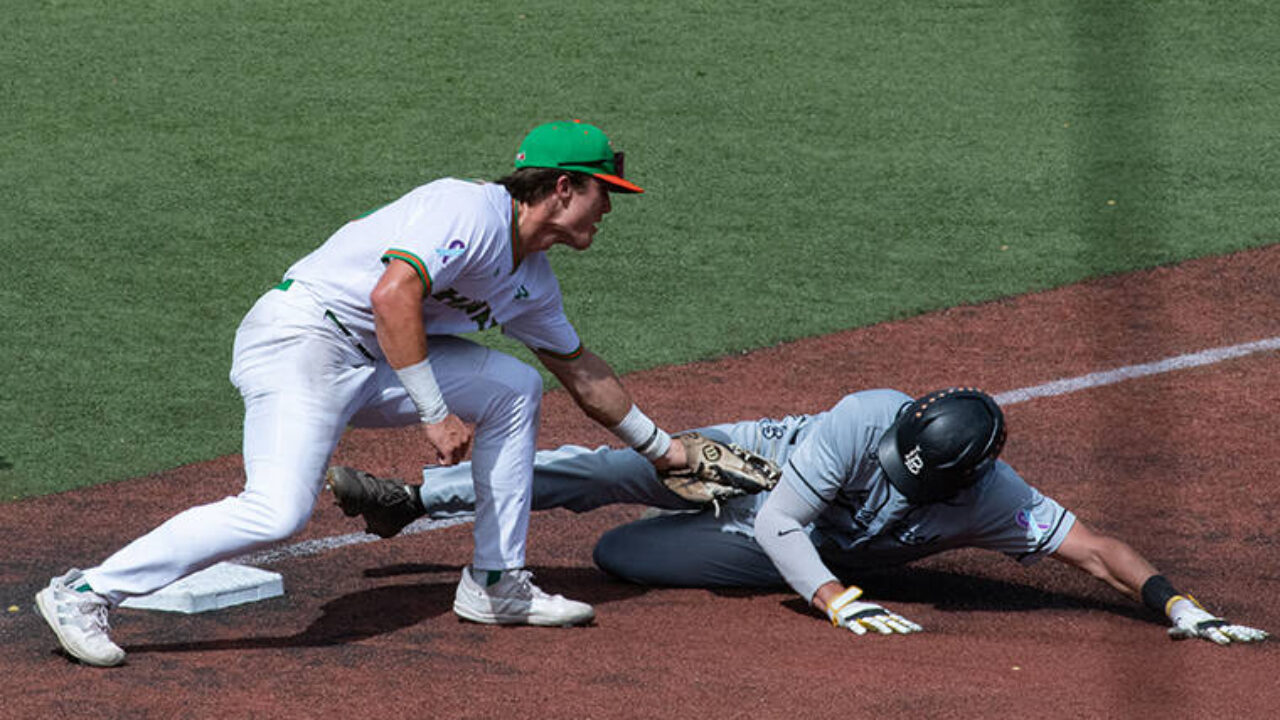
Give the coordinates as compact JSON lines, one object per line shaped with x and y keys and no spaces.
{"x":788,"y":531}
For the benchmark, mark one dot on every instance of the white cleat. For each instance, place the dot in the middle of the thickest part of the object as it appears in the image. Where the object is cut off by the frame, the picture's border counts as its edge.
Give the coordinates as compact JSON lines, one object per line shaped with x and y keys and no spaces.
{"x":515,"y":600}
{"x":79,"y":619}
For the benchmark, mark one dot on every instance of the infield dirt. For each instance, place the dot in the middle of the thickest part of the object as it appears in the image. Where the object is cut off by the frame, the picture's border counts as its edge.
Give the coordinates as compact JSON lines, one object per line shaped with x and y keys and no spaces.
{"x":1181,"y":465}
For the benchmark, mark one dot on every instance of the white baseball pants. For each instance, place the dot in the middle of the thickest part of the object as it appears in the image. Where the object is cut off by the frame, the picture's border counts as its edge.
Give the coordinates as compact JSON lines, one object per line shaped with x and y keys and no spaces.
{"x":303,"y":382}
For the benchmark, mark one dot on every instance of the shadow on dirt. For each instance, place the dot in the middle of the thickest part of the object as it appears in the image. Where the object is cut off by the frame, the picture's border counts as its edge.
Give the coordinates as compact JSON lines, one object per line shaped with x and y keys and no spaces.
{"x":378,"y":611}
{"x":585,"y":584}
{"x":957,"y":592}
{"x":350,"y":618}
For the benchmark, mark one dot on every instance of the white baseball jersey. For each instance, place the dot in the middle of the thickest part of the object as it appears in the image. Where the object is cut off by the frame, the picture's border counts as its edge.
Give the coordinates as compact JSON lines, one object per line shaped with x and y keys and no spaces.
{"x":460,"y":238}
{"x":304,"y":381}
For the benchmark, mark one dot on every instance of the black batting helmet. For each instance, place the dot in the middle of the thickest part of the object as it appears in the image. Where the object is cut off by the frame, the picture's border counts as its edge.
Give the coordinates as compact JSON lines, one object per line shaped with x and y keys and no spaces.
{"x":942,"y":443}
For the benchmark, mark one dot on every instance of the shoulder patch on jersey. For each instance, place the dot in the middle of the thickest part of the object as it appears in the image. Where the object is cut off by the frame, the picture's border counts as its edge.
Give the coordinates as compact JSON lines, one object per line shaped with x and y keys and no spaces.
{"x":456,"y":248}
{"x":1025,"y":518}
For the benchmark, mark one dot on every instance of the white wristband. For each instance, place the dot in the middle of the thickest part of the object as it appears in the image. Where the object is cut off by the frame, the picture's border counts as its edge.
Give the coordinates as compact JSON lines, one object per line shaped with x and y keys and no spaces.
{"x":420,"y":381}
{"x":643,"y":434}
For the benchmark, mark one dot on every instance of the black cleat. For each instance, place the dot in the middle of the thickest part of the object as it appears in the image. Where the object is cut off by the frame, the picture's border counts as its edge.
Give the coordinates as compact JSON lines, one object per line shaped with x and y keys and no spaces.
{"x":386,"y":505}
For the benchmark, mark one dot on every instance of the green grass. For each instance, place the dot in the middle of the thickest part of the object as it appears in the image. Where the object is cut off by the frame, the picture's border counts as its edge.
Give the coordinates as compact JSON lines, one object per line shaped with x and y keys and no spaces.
{"x":811,"y":167}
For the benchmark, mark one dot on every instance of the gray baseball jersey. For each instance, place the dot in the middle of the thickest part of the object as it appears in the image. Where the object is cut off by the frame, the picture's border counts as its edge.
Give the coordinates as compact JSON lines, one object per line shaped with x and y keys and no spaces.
{"x":827,"y":466}
{"x":833,"y":486}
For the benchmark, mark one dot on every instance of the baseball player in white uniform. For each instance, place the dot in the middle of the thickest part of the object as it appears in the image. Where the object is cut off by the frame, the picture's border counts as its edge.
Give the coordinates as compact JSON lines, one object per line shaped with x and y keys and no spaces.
{"x":363,"y":331}
{"x":878,"y":480}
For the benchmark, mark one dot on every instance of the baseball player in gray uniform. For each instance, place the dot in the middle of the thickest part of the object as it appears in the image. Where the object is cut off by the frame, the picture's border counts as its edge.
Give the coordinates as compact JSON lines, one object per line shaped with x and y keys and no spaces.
{"x":878,"y":480}
{"x":363,"y":331}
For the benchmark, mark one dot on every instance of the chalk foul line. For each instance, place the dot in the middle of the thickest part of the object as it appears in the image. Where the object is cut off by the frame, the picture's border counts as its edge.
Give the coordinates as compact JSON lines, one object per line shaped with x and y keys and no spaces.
{"x":1065,"y":386}
{"x":1130,"y":372}
{"x":316,"y":546}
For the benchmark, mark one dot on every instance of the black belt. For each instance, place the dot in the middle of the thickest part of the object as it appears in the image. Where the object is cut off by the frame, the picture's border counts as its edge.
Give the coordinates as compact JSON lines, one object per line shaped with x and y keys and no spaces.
{"x":284,"y":286}
{"x":329,"y":314}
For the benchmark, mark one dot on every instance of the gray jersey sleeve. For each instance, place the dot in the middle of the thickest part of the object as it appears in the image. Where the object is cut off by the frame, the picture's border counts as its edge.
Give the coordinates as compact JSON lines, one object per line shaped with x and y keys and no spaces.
{"x":838,"y":449}
{"x":1017,"y":519}
{"x":834,"y":453}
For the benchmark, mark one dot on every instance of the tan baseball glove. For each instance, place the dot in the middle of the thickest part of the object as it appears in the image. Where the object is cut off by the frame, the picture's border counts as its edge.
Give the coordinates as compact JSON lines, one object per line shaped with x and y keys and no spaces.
{"x":718,"y":471}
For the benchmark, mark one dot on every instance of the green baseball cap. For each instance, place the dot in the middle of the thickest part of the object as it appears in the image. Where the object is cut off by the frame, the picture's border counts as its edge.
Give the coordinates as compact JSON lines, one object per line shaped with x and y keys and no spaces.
{"x":578,"y":146}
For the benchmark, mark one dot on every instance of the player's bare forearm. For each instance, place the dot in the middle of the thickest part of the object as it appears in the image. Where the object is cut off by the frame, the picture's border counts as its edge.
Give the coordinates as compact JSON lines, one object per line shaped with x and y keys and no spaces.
{"x":593,"y":385}
{"x":397,"y":315}
{"x":825,"y":594}
{"x":1120,"y":566}
{"x":1107,"y":558}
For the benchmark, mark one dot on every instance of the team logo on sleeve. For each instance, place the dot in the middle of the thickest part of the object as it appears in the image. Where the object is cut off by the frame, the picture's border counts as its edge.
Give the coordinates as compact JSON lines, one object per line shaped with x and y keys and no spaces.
{"x":456,"y":248}
{"x":1025,"y":518}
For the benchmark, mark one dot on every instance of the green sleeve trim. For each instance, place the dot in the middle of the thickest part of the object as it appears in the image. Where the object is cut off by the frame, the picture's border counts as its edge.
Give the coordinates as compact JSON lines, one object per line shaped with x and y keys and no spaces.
{"x":515,"y":237}
{"x":415,"y":262}
{"x":577,"y":353}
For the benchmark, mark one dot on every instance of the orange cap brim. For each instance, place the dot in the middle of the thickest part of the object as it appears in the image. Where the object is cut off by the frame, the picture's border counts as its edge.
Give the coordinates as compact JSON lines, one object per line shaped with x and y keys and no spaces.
{"x":618,"y":184}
